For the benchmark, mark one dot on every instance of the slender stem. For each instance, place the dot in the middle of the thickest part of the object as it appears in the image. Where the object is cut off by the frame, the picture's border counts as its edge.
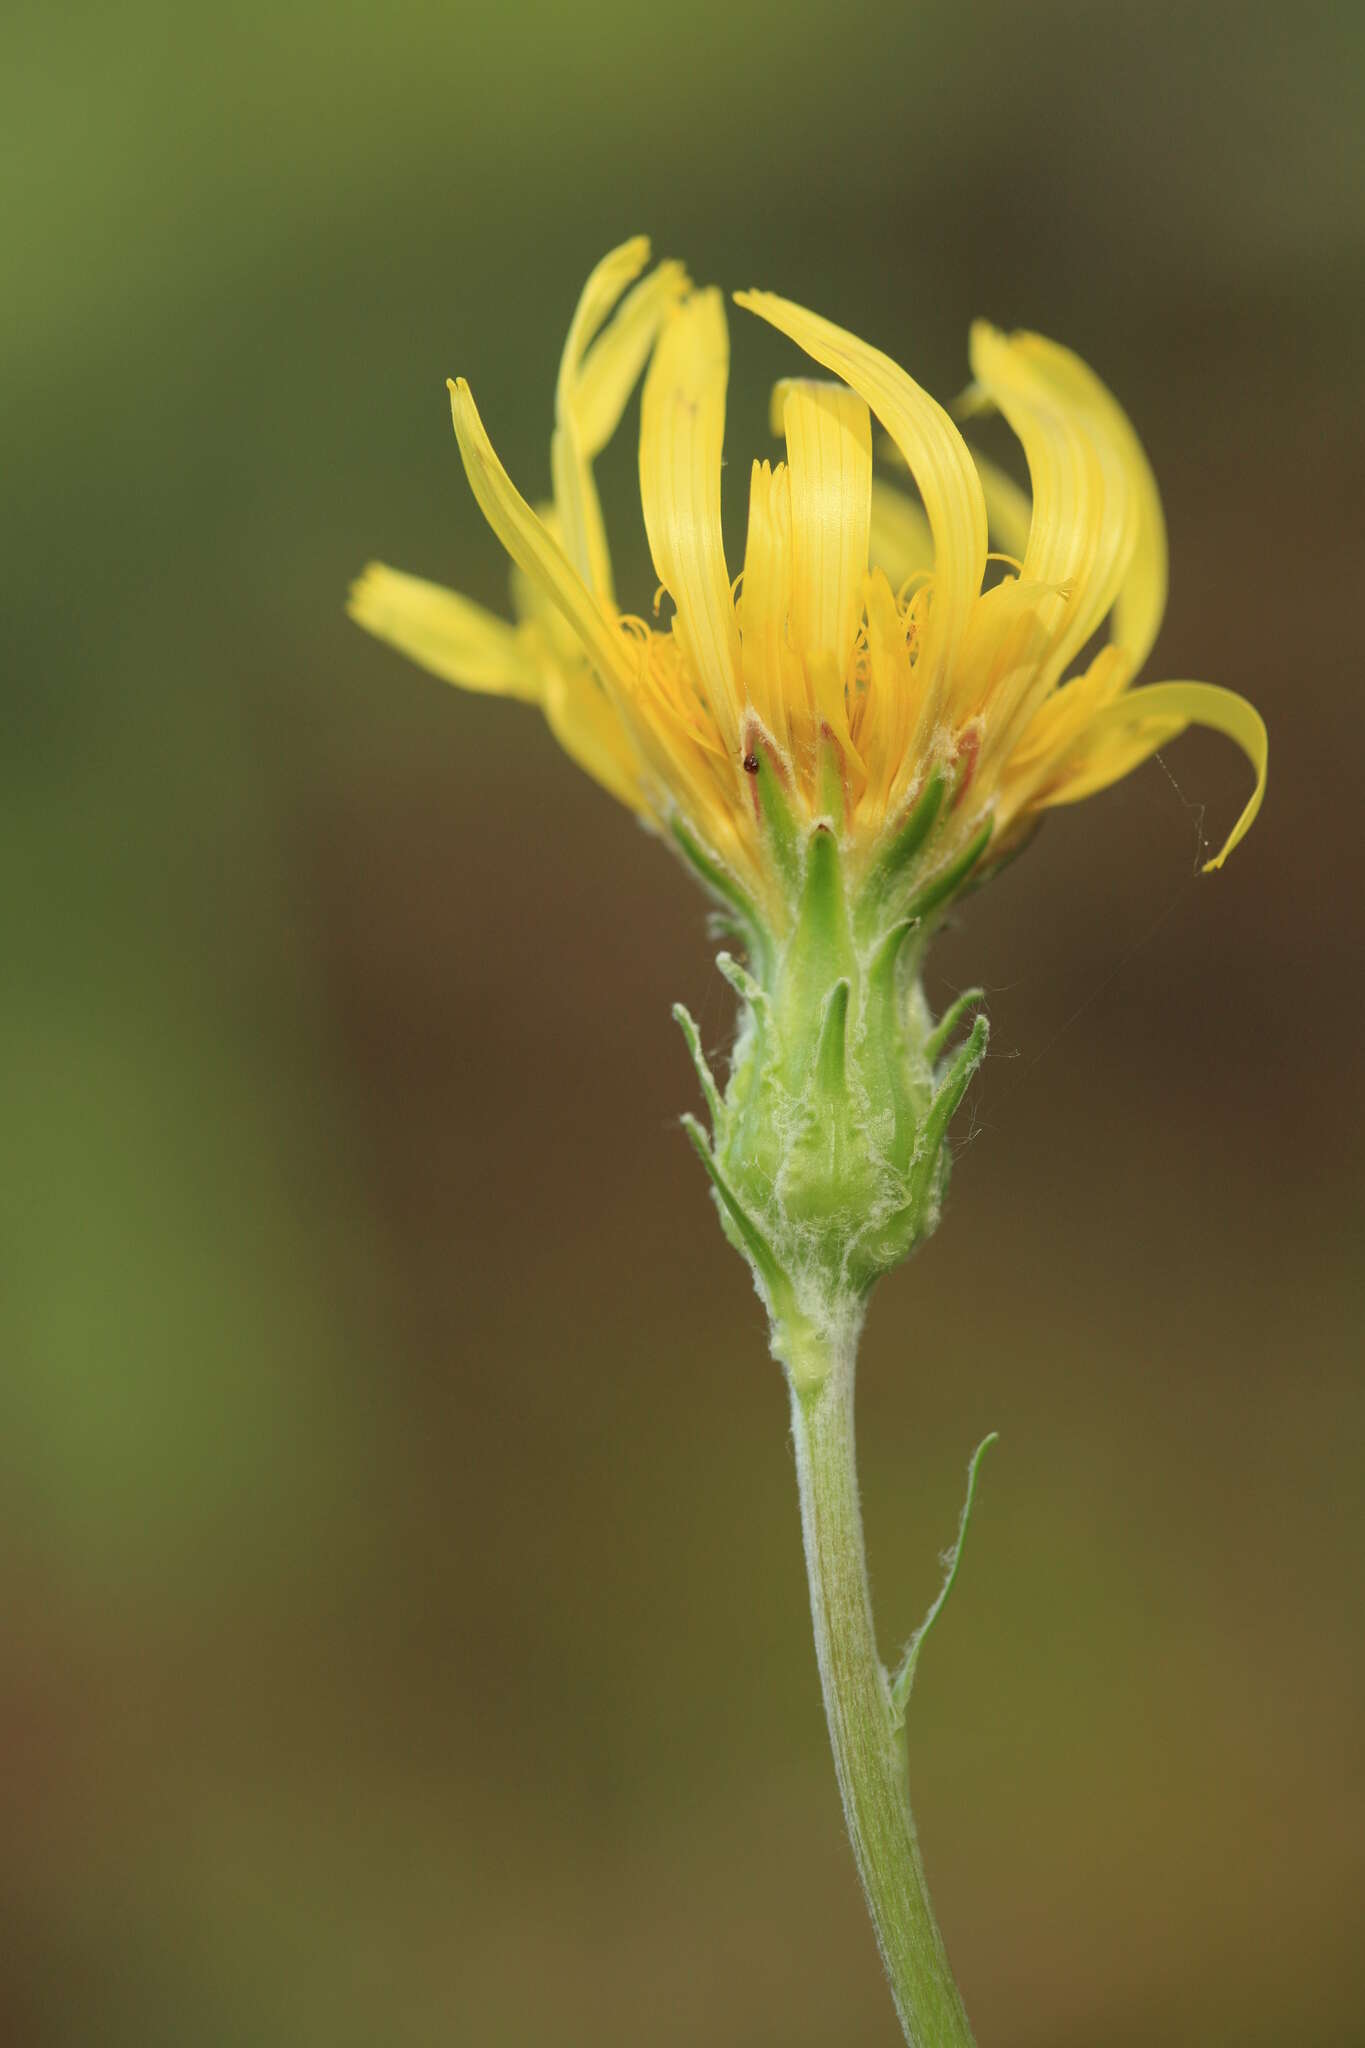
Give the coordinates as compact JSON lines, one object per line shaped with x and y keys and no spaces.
{"x":869,"y":1755}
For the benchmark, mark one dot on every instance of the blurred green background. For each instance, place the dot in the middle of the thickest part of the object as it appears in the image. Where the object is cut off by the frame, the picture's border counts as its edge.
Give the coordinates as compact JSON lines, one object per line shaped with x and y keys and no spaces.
{"x":404,"y":1633}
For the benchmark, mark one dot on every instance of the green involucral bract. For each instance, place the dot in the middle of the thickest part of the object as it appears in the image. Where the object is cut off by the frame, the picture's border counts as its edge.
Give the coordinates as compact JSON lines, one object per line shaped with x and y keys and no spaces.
{"x":827,"y":1150}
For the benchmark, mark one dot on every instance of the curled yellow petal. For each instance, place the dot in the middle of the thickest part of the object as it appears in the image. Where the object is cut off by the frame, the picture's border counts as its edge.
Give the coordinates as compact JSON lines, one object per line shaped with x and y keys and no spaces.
{"x":445,"y":633}
{"x":890,"y":704}
{"x":682,"y":430}
{"x":596,"y":377}
{"x":765,"y":595}
{"x":1084,"y":524}
{"x":1140,"y":721}
{"x":1071,"y":423}
{"x":931,"y":445}
{"x":532,"y":547}
{"x":608,"y":279}
{"x":829,"y":462}
{"x":1140,"y":601}
{"x":587,"y":726}
{"x":610,"y":369}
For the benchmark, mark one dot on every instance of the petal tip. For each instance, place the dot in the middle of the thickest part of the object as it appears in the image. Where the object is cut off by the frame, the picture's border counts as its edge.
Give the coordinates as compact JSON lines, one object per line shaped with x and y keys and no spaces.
{"x":464,"y":412}
{"x":362,"y":591}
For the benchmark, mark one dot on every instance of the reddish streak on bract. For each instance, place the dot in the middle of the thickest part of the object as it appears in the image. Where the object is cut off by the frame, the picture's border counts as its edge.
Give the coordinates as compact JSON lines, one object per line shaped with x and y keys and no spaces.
{"x":969,"y":746}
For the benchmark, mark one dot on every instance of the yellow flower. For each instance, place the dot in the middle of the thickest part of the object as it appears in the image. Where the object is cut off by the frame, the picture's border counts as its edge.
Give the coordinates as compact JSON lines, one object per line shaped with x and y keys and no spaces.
{"x":864,"y":650}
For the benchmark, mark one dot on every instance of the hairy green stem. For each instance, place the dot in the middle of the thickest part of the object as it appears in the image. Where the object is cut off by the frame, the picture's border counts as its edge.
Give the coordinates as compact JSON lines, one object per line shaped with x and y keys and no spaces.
{"x":868,"y":1742}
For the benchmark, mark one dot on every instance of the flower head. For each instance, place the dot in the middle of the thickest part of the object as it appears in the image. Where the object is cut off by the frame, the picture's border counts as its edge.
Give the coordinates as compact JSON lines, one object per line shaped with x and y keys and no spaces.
{"x":868,"y":717}
{"x":868,"y":669}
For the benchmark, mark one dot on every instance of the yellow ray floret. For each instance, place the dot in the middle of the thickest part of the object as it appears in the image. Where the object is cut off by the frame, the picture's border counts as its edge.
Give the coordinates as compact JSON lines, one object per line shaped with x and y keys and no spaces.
{"x":863,"y":650}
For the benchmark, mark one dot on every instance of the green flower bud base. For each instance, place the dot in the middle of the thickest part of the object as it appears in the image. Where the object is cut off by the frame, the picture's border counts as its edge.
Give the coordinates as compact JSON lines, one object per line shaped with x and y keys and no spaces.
{"x":828,"y":1162}
{"x":827,"y":1149}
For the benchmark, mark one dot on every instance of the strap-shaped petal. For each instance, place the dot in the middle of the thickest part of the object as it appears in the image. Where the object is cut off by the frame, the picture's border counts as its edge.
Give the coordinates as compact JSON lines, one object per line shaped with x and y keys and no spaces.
{"x":1059,"y":726}
{"x":606,"y":282}
{"x":766,"y":595}
{"x":588,"y":727}
{"x":891,"y":702}
{"x":934,"y":451}
{"x":1140,"y":600}
{"x":1091,"y":480}
{"x":596,"y":378}
{"x":447,"y":634}
{"x":682,"y":430}
{"x":829,"y":460}
{"x":1140,"y":721}
{"x":532,"y":547}
{"x":1084,"y":523}
{"x":612,"y":366}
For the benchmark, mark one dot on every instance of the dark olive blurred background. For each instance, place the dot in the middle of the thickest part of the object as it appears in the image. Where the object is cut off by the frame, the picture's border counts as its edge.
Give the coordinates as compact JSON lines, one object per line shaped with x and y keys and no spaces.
{"x":404,"y":1631}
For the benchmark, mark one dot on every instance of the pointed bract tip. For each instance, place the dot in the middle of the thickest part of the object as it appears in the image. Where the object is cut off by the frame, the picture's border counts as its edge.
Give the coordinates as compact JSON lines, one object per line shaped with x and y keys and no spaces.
{"x":701,"y":1143}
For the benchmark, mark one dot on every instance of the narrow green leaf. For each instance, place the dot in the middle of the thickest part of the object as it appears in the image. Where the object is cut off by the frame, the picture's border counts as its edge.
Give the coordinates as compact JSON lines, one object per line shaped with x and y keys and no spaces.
{"x":905,"y":1676}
